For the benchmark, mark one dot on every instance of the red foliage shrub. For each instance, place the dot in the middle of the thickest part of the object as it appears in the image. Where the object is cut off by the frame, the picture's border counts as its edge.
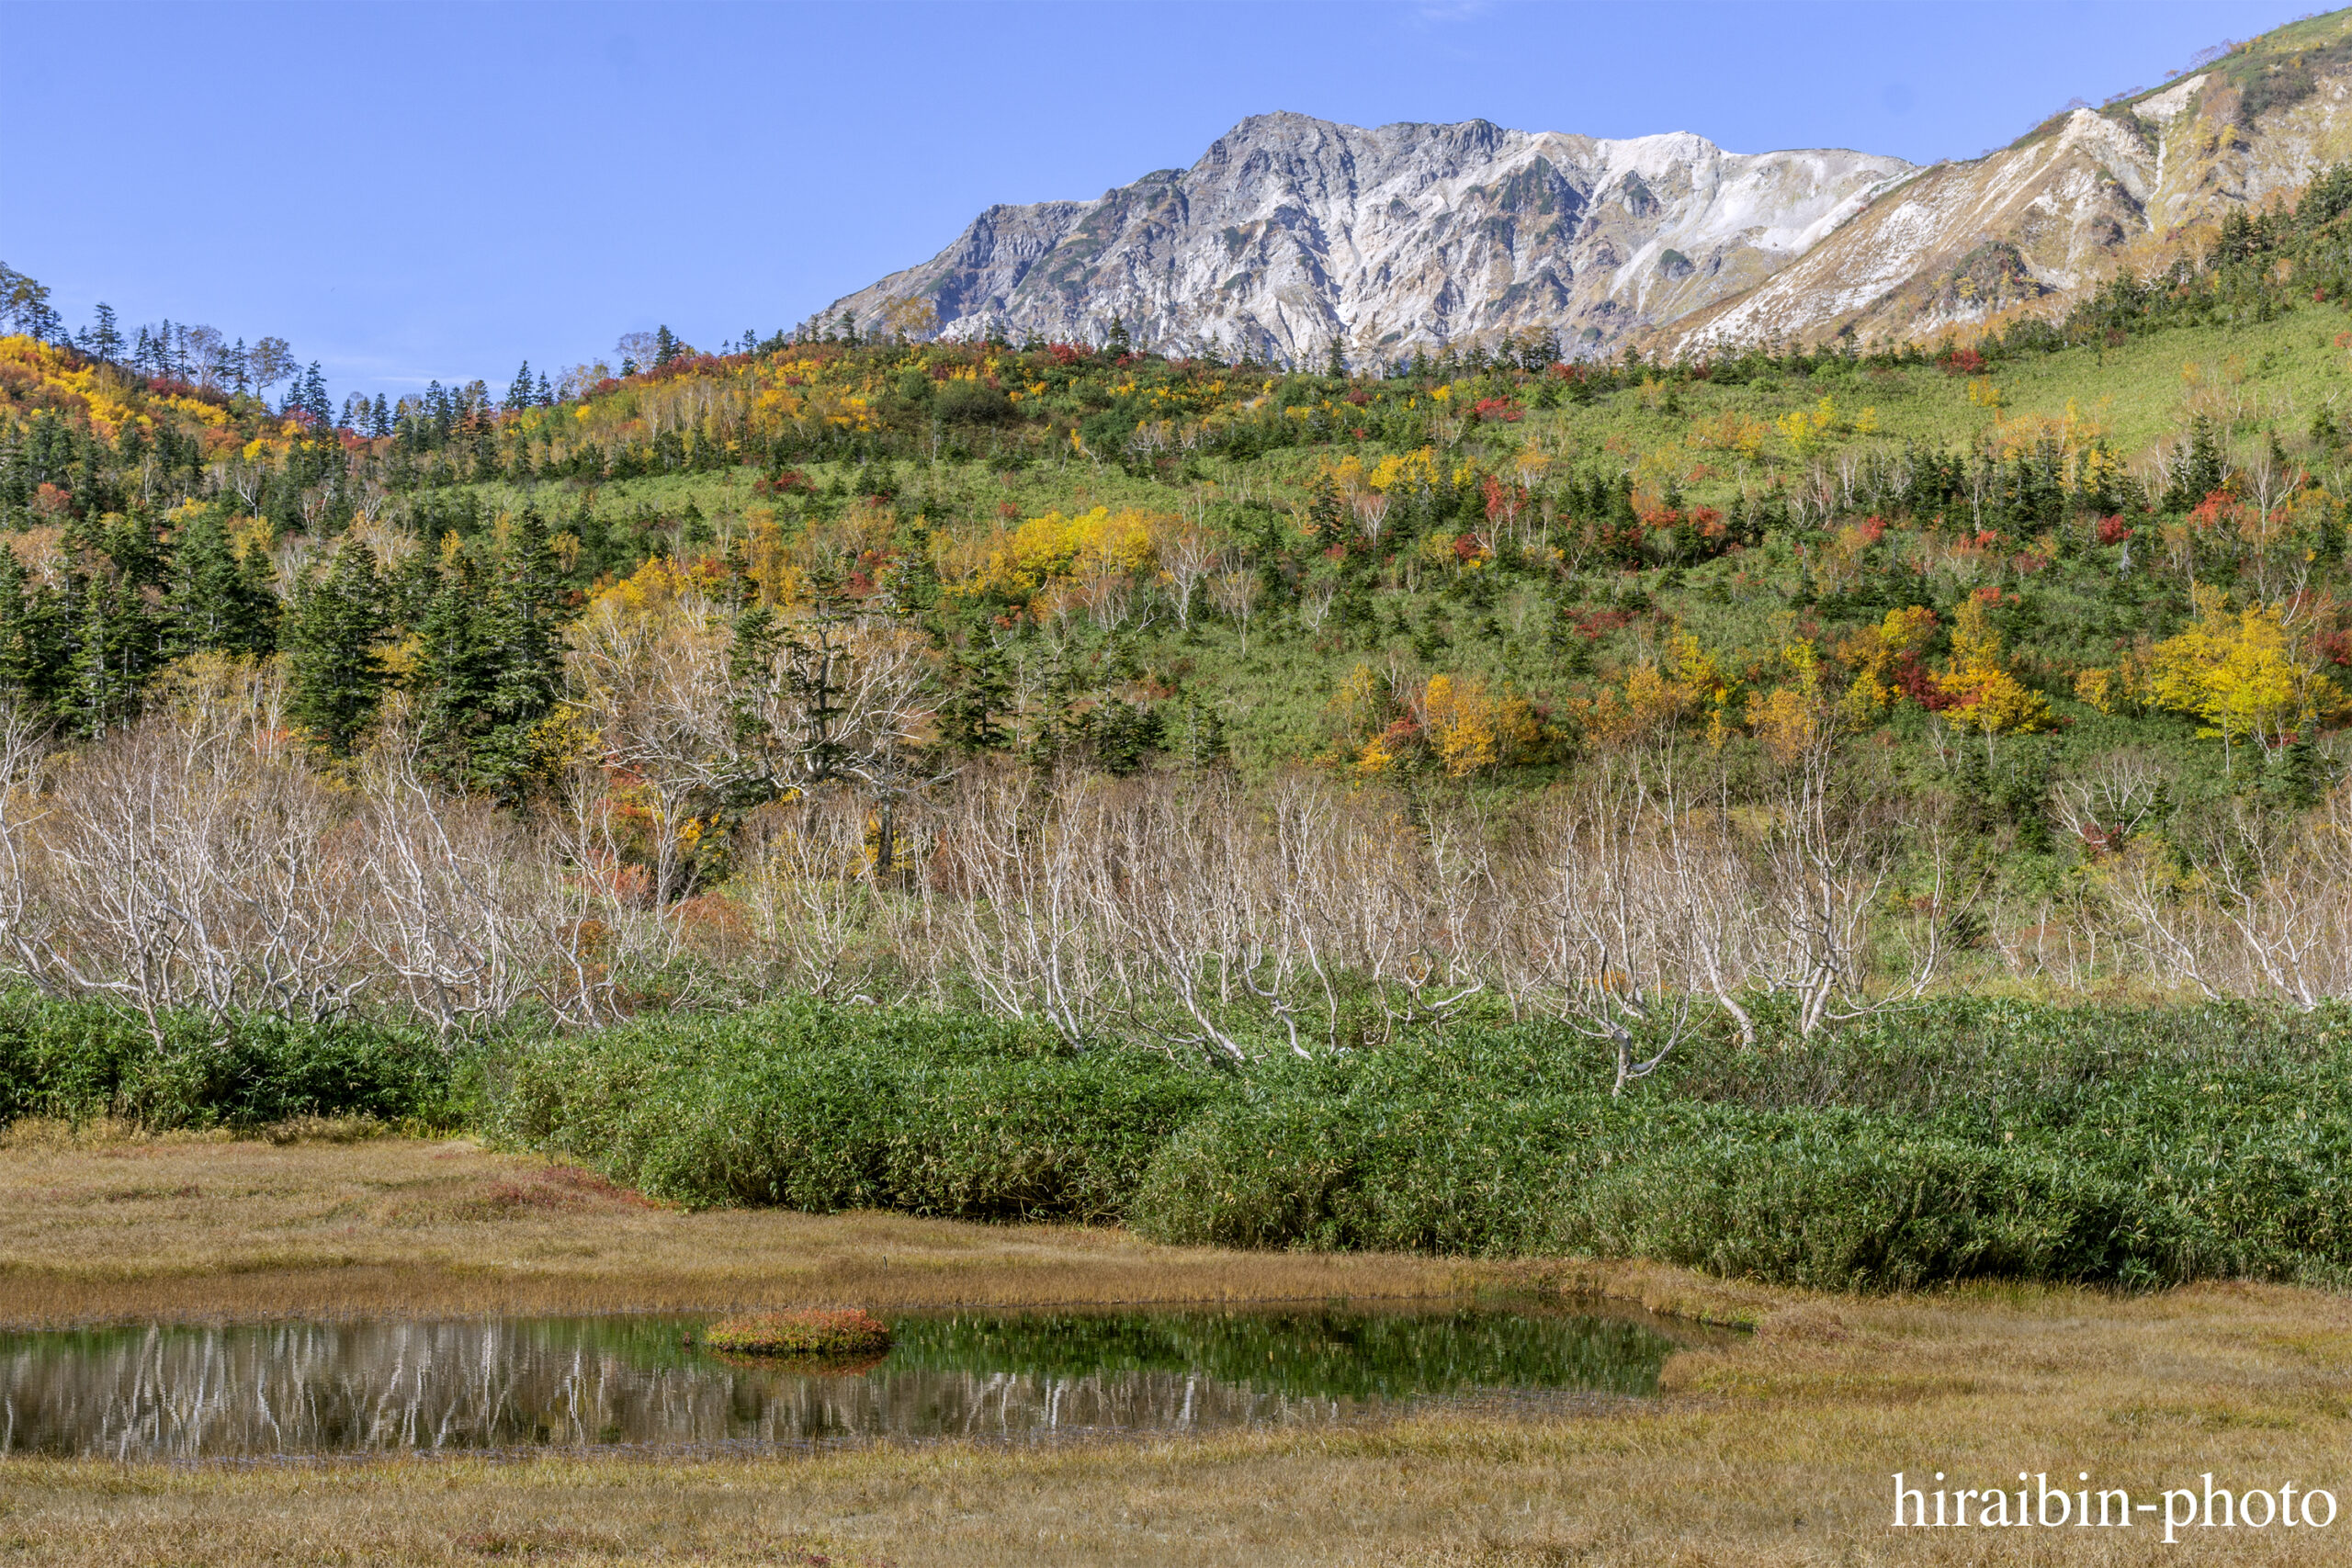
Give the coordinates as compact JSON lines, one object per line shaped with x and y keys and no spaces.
{"x":2113,"y":531}
{"x":1964,"y":362}
{"x":1496,"y":410}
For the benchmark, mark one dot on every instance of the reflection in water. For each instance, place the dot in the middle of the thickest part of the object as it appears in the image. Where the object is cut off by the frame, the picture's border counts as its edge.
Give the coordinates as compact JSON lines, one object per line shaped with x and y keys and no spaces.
{"x":161,"y":1393}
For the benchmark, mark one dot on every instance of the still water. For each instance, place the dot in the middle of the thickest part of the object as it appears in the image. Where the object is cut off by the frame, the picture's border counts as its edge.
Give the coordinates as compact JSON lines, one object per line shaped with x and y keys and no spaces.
{"x":344,"y":1388}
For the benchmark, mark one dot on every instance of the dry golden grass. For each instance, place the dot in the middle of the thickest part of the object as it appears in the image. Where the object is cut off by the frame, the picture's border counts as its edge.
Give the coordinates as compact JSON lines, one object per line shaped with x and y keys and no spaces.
{"x":111,"y":1226}
{"x":1772,"y":1450}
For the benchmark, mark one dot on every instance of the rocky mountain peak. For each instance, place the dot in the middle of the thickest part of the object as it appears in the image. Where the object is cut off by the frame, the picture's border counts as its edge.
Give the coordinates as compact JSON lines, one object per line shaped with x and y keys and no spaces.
{"x":1291,"y":233}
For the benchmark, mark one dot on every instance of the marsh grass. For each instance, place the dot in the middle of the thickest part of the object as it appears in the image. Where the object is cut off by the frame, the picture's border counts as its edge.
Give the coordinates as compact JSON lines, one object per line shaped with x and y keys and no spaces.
{"x":849,"y":1334}
{"x":1773,"y":1449}
{"x":104,"y":1224}
{"x":1770,"y":1447}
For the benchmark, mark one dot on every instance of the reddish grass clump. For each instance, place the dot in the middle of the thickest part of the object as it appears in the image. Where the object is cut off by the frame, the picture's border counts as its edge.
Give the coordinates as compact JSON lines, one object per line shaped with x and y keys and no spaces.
{"x":829,"y":1335}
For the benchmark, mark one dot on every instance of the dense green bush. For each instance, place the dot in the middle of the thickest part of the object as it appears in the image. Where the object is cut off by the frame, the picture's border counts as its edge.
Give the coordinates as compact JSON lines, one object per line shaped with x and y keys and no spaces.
{"x":77,"y":1060}
{"x":823,"y":1108}
{"x":1966,"y":1139}
{"x":2135,"y":1145}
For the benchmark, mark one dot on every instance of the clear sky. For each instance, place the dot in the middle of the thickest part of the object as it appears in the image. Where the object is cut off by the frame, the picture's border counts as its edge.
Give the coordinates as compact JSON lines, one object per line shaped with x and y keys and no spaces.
{"x":412,"y":191}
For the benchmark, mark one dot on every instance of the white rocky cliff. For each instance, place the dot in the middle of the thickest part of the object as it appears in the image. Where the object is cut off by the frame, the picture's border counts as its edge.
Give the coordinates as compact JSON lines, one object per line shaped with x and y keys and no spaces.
{"x":1292,"y":230}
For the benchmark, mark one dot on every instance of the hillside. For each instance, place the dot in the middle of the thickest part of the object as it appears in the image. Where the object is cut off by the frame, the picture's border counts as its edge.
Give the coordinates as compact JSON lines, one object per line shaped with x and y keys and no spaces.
{"x":1292,"y":235}
{"x":767,"y":669}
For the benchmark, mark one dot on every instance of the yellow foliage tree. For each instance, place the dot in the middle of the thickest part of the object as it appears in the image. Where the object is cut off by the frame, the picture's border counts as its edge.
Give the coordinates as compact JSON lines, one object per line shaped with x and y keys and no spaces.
{"x":1872,"y":653}
{"x":1054,"y":546}
{"x":1792,"y":719}
{"x":1468,"y":729}
{"x":1986,"y":696}
{"x":2242,"y":673}
{"x":1805,"y":431}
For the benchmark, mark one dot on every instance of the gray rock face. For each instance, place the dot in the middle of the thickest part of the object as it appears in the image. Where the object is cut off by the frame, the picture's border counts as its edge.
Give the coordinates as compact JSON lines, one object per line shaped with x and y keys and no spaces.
{"x":1291,"y":232}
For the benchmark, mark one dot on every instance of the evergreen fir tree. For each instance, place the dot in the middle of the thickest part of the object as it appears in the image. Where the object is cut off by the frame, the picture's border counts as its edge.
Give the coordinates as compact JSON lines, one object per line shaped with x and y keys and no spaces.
{"x":491,"y":665}
{"x":104,"y":338}
{"x":977,"y":692}
{"x":32,"y":645}
{"x":456,"y":670}
{"x":212,"y":601}
{"x":114,"y":644}
{"x":336,"y":678}
{"x":525,"y":624}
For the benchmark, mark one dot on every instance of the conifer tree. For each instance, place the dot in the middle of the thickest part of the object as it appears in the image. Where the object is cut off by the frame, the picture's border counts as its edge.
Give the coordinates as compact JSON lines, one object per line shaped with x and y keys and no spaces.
{"x":523,"y":625}
{"x":214,"y":603}
{"x":105,"y":341}
{"x":32,"y":643}
{"x":489,"y":665}
{"x":454,"y":670}
{"x":114,"y":641}
{"x":336,"y":677}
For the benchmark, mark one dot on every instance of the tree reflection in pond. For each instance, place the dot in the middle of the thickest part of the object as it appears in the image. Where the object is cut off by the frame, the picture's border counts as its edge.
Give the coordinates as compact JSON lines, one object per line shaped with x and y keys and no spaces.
{"x":324,"y":1388}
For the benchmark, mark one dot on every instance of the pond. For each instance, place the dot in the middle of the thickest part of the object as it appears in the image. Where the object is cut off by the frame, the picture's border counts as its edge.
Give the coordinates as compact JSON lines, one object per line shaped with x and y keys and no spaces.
{"x":505,"y":1384}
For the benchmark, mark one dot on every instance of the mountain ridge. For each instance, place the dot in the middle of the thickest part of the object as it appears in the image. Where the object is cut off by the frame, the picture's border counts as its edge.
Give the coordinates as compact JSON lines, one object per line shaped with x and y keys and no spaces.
{"x":1291,"y":233}
{"x":1290,"y":230}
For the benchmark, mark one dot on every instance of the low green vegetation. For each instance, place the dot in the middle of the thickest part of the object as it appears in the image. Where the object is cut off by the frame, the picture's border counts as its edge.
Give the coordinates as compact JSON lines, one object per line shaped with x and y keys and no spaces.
{"x":2135,"y":1145}
{"x":77,"y":1061}
{"x":1964,"y":1139}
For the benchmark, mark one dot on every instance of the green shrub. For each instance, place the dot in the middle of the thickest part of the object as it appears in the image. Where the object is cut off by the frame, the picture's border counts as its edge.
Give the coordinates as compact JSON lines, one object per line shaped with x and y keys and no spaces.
{"x":1961,"y":1140}
{"x":79,"y":1060}
{"x":1863,"y":1210}
{"x":821,"y":1108}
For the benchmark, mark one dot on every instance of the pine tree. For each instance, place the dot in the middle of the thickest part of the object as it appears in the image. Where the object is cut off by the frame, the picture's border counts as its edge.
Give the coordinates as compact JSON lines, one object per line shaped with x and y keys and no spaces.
{"x":978,"y":690}
{"x":114,"y":644}
{"x":105,"y":341}
{"x":213,"y":602}
{"x":454,"y":670}
{"x":518,"y":391}
{"x":491,"y":665}
{"x":666,"y":348}
{"x":32,"y":646}
{"x":336,"y":678}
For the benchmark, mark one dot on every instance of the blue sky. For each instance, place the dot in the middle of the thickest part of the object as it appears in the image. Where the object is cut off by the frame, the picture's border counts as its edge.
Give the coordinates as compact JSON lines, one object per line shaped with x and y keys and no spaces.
{"x":417,"y":190}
